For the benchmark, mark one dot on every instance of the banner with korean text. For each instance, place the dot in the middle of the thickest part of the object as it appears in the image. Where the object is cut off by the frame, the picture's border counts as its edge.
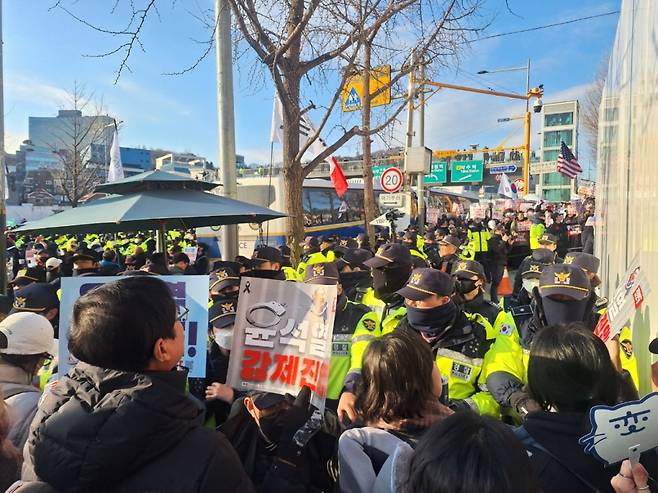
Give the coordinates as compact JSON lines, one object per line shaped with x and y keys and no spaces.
{"x":190,"y":294}
{"x":282,"y":337}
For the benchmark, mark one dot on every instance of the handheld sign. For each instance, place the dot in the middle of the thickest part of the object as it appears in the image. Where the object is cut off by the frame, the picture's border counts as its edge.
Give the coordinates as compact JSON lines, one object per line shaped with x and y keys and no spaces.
{"x":282,"y":337}
{"x":623,"y":431}
{"x":391,"y":180}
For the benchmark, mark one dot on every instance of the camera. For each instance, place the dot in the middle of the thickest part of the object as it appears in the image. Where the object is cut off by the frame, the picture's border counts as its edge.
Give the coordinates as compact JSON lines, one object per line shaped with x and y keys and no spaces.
{"x":537,"y":106}
{"x":393,"y":215}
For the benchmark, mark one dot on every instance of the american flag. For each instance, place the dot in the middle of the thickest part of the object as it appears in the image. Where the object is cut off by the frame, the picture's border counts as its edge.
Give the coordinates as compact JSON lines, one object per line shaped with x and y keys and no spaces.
{"x":567,"y":164}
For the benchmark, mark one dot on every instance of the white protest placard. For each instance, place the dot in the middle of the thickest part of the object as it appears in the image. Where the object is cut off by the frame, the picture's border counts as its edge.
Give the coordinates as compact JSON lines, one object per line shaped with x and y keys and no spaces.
{"x":190,"y":292}
{"x":191,"y":253}
{"x":282,"y":336}
{"x":478,"y":211}
{"x":30,"y":257}
{"x":623,"y":430}
{"x":629,"y":297}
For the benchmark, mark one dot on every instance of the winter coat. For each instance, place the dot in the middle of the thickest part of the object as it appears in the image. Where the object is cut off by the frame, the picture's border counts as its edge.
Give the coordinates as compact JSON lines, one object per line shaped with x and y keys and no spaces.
{"x":21,"y":398}
{"x":113,"y":431}
{"x":563,"y":465}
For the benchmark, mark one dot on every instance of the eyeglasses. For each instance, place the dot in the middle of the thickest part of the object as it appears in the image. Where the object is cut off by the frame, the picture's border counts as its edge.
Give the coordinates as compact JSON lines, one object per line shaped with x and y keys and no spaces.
{"x":181,"y":313}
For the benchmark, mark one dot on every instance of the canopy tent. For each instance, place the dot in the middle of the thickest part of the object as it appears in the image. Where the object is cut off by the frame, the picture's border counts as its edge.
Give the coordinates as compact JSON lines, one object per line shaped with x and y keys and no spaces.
{"x":155,"y":200}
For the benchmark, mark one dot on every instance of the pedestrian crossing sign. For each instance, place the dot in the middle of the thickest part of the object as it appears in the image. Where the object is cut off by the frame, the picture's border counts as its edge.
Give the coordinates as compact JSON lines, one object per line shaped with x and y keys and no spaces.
{"x":353,"y":90}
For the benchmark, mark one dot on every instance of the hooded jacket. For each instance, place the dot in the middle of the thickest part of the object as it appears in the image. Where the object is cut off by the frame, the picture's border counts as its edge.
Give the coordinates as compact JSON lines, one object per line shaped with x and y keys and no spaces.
{"x":112,"y":431}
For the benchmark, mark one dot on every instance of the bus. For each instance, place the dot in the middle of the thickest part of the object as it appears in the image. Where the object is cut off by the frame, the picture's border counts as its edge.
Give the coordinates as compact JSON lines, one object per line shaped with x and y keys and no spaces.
{"x":324,"y":212}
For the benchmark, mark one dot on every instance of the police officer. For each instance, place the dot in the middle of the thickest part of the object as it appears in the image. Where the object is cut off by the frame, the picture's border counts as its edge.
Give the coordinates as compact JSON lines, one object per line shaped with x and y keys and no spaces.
{"x":266,"y":263}
{"x":40,"y":298}
{"x":459,"y":345}
{"x":355,"y":326}
{"x":563,"y":296}
{"x":478,"y":238}
{"x":622,"y":356}
{"x":469,"y":294}
{"x":311,"y":255}
{"x":343,"y":245}
{"x":391,"y":267}
{"x":287,"y":268}
{"x":355,"y":277}
{"x":85,"y":263}
{"x":431,"y":249}
{"x":410,"y":240}
{"x":448,"y":248}
{"x":542,"y":256}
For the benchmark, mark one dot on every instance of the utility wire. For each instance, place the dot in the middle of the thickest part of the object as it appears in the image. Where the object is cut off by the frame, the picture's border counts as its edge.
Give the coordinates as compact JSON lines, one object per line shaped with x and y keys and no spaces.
{"x":541,"y":27}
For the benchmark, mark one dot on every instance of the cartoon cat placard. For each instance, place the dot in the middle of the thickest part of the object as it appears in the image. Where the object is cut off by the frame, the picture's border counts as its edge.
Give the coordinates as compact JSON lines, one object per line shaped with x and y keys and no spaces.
{"x":628,"y":428}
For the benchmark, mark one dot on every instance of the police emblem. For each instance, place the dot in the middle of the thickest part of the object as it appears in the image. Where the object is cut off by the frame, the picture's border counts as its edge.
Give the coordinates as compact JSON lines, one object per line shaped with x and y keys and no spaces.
{"x":415,"y":278}
{"x":20,"y":302}
{"x":222,"y":274}
{"x":568,"y":260}
{"x":535,"y":268}
{"x":369,"y":324}
{"x":462,"y":266}
{"x":380,"y":252}
{"x":627,"y":347}
{"x":562,"y":278}
{"x":318,"y":270}
{"x":227,"y":308}
{"x":343,"y":243}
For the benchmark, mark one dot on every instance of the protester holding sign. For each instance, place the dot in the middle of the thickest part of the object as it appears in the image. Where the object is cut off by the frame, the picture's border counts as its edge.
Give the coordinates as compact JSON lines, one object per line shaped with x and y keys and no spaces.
{"x":126,"y":401}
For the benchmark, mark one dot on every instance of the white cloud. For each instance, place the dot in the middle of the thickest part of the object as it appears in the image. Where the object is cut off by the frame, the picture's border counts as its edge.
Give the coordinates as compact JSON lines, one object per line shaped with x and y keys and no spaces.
{"x":25,"y":89}
{"x":148,"y":97}
{"x":13,"y":141}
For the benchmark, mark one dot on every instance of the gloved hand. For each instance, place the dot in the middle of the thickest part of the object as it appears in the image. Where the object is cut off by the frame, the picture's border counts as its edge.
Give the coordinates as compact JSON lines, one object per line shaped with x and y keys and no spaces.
{"x":523,"y":403}
{"x":290,"y":459}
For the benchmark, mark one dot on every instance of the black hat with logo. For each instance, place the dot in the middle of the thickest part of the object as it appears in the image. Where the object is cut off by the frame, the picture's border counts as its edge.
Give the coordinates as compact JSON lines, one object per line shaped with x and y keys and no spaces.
{"x":427,"y":282}
{"x":390,"y":253}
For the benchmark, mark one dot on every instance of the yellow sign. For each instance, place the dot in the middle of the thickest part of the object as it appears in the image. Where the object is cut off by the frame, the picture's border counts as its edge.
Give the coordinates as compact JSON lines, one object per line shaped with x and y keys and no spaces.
{"x":353,"y":89}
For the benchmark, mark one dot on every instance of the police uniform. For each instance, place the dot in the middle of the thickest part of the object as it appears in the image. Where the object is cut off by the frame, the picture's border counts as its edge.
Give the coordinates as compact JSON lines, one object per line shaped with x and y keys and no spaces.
{"x":507,"y":364}
{"x":537,"y":230}
{"x":590,"y":264}
{"x":459,"y":348}
{"x":478,"y":239}
{"x":354,"y":327}
{"x":388,"y":256}
{"x":446,"y":264}
{"x":419,"y":258}
{"x":312,"y":255}
{"x":492,"y":314}
{"x":542,"y":256}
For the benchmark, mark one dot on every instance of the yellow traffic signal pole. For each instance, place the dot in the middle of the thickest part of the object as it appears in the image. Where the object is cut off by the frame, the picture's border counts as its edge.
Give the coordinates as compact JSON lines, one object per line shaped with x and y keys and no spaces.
{"x":536,"y":92}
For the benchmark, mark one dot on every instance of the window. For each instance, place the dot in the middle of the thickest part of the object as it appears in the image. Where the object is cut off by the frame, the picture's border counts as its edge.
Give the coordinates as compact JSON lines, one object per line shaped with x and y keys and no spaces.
{"x":558,"y":195}
{"x":553,"y":138}
{"x":551,"y":155}
{"x":558,"y":119}
{"x":555,"y":179}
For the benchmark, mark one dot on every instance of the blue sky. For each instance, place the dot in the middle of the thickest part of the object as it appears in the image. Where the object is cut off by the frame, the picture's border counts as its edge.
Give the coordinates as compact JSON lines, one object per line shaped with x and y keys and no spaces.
{"x":44,"y":50}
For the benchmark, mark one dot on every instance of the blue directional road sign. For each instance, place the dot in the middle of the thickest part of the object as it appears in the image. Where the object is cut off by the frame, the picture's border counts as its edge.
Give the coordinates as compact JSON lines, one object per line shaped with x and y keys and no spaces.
{"x":506,"y":168}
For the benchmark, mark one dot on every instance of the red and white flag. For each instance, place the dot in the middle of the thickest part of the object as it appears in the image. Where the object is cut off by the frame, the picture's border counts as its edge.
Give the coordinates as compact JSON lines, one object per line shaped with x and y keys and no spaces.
{"x":317,"y":147}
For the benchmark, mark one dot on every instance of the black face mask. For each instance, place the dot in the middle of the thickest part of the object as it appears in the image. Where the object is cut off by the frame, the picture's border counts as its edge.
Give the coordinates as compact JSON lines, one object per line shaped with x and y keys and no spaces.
{"x":432,"y":321}
{"x":564,"y":312}
{"x":352,"y":280}
{"x":271,"y":428}
{"x":266,"y":274}
{"x":387,"y":281}
{"x":463,"y":286}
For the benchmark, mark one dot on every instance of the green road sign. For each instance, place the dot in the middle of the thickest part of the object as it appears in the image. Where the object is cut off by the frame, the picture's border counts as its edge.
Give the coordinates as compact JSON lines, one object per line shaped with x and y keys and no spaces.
{"x":378,"y":170}
{"x":467,"y":171}
{"x":438,"y":173}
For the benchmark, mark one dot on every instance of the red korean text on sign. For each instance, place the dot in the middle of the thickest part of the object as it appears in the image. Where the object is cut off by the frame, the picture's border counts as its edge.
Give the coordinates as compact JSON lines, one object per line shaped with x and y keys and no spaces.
{"x":638,"y":297}
{"x":286,"y":369}
{"x":255,"y":365}
{"x":313,"y":372}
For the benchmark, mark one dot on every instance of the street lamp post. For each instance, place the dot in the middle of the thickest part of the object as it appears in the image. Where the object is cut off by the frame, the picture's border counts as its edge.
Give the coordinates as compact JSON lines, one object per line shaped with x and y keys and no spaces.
{"x":526,"y":121}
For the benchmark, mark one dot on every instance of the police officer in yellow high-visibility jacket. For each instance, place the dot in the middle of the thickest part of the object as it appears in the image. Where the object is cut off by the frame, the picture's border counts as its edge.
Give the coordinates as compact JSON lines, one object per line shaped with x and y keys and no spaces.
{"x":536,"y":232}
{"x":410,"y":240}
{"x":478,"y":238}
{"x":459,"y":344}
{"x":563,"y":296}
{"x":354,"y":327}
{"x":627,"y":360}
{"x":313,"y":254}
{"x":390,"y":268}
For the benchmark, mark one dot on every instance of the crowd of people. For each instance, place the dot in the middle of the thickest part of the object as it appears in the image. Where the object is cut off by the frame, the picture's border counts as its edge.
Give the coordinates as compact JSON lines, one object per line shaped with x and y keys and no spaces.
{"x":436,"y":384}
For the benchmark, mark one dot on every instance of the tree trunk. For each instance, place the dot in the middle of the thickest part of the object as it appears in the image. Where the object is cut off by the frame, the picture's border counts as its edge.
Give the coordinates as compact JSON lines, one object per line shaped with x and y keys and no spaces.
{"x":369,"y":205}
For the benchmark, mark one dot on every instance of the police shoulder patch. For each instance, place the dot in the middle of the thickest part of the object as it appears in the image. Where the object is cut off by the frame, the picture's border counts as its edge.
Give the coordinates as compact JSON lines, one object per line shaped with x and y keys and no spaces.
{"x":506,"y":329}
{"x":369,"y":324}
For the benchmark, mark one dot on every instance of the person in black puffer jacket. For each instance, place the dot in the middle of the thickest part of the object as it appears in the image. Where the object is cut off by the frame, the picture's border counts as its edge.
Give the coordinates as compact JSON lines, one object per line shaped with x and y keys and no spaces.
{"x":120,"y":420}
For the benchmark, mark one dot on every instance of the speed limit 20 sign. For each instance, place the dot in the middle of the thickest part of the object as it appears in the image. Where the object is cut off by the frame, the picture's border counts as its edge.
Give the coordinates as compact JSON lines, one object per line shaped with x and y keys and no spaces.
{"x":391,"y":180}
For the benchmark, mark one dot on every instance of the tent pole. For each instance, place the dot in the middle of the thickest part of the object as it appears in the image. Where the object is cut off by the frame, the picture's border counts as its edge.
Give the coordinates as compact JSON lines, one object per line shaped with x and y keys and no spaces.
{"x":161,"y":236}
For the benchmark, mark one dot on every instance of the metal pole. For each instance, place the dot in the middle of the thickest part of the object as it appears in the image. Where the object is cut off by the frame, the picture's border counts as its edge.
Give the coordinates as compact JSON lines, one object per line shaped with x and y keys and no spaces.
{"x":526,"y":155}
{"x":410,"y":114}
{"x":527,"y":87}
{"x":226,"y":119}
{"x":421,"y":142}
{"x":3,"y":177}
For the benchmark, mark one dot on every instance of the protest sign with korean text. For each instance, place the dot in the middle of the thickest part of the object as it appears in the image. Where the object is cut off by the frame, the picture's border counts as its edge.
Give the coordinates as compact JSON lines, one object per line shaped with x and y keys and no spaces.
{"x":190,"y":294}
{"x":282,"y":336}
{"x":629,"y":297}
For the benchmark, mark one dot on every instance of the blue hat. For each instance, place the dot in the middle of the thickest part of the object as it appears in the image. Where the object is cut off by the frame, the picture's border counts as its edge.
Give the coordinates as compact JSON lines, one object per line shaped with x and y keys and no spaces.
{"x":427,"y":282}
{"x":391,"y":253}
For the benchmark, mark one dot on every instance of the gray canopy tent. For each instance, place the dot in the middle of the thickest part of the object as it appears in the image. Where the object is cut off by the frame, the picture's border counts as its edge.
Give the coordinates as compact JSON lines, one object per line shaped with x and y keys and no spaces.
{"x":154,"y":200}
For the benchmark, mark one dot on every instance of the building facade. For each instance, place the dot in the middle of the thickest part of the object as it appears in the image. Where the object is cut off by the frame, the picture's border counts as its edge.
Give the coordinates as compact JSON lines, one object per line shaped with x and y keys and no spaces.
{"x":559,"y":124}
{"x":60,"y":132}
